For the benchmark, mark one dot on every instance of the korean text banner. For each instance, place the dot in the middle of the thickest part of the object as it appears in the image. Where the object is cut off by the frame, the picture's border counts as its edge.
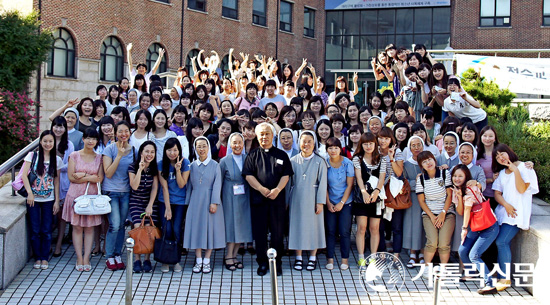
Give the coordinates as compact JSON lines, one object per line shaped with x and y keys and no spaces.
{"x":375,"y":4}
{"x":519,"y":75}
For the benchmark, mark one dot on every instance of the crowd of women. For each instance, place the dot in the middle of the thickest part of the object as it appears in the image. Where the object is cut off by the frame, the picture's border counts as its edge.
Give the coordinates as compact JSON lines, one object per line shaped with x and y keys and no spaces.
{"x":222,"y":162}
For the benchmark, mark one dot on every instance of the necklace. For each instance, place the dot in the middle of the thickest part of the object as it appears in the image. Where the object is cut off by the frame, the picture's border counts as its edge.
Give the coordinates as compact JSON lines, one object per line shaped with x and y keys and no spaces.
{"x":202,"y":173}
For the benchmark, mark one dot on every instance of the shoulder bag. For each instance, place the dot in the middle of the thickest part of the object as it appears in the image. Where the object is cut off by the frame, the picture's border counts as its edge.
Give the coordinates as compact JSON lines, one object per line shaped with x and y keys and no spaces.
{"x":18,"y":184}
{"x":402,"y":200}
{"x":144,"y":237}
{"x":92,"y":204}
{"x":481,"y":215}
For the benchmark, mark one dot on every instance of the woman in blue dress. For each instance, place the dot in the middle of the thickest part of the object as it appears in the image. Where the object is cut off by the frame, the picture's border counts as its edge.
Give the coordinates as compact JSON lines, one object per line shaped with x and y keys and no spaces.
{"x":204,"y":222}
{"x":236,"y":201}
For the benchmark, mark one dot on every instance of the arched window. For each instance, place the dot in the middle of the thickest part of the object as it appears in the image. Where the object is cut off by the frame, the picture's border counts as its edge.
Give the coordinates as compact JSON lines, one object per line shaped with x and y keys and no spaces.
{"x":188,"y":65}
{"x":61,"y":61}
{"x":152,"y":56}
{"x":224,"y":65}
{"x":112,"y":59}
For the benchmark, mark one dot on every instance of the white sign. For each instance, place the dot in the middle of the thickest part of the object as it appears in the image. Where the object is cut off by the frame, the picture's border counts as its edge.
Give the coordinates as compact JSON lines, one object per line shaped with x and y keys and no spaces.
{"x":376,"y":4}
{"x":519,"y":75}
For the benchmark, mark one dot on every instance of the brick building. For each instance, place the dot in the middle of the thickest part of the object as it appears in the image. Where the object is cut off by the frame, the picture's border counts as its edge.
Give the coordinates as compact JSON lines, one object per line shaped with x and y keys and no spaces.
{"x":91,"y":38}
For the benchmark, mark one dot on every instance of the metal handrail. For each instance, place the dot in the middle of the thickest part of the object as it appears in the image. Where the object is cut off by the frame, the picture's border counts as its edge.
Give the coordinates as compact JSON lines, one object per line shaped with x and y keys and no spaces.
{"x":12,"y":162}
{"x":18,"y":157}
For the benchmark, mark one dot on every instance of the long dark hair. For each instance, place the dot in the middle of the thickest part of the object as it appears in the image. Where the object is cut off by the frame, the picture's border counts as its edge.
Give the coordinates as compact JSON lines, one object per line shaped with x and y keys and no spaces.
{"x":52,"y":169}
{"x":117,"y":100}
{"x":467,"y":174}
{"x":403,"y":143}
{"x":159,"y":112}
{"x":153,"y":169}
{"x":481,"y":146}
{"x":64,"y":143}
{"x":366,"y":138}
{"x":170,"y":143}
{"x":144,"y":87}
{"x":431,"y":79}
{"x":104,"y":121}
{"x":287,"y":109}
{"x":497,"y":167}
{"x":192,"y":123}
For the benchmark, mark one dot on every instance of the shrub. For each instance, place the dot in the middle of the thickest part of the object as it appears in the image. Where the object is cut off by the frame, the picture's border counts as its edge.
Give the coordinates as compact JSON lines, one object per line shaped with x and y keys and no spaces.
{"x":23,"y":47}
{"x":485,"y":91}
{"x":15,"y":130}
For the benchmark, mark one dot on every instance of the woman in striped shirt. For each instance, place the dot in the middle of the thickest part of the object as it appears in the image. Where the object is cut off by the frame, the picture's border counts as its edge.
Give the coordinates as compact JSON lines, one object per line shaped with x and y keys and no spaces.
{"x":433,"y":188}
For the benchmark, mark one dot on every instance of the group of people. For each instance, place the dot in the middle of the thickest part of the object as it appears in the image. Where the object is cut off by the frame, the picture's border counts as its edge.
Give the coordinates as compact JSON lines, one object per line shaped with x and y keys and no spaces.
{"x":224,"y":162}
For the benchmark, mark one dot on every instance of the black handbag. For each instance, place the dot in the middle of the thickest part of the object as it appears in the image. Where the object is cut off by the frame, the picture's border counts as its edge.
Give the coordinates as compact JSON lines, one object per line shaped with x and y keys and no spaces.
{"x":167,"y":249}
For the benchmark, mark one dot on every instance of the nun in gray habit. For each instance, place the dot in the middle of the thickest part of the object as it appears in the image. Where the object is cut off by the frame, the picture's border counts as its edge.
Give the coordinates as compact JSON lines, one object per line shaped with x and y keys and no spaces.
{"x":204,"y":228}
{"x":236,"y":201}
{"x":308,"y":196}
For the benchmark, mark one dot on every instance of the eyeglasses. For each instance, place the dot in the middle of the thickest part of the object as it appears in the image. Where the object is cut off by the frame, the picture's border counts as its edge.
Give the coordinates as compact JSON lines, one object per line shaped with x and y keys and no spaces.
{"x":308,"y":120}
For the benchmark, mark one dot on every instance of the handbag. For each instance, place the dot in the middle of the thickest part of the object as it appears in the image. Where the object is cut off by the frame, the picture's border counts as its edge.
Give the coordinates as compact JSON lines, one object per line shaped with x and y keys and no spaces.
{"x":18,"y":184}
{"x":144,"y":237}
{"x":167,"y":249}
{"x":402,"y":200}
{"x":92,"y":204}
{"x":481,"y":215}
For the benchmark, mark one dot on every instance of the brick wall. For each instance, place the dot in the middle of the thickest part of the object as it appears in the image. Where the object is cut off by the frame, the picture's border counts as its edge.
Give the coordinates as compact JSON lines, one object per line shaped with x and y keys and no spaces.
{"x":525,"y":31}
{"x":144,"y":22}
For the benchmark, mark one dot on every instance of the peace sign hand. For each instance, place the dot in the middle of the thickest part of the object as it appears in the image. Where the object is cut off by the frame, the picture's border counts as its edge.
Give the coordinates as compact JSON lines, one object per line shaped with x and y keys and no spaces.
{"x":423,"y":119}
{"x":72,"y":103}
{"x":355,"y":76}
{"x":178,"y":164}
{"x":120,"y":148}
{"x":391,"y":151}
{"x":457,"y":191}
{"x":142,"y":163}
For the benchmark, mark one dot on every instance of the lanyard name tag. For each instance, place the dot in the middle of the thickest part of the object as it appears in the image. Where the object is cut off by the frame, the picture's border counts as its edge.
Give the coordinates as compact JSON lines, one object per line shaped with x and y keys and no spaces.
{"x":238,"y":189}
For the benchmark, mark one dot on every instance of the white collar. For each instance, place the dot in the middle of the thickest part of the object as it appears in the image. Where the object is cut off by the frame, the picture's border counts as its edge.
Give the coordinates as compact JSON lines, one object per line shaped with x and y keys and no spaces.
{"x":205,"y":162}
{"x":413,"y":161}
{"x":446,"y":155}
{"x":72,"y":130}
{"x":470,"y":165}
{"x":308,"y":158}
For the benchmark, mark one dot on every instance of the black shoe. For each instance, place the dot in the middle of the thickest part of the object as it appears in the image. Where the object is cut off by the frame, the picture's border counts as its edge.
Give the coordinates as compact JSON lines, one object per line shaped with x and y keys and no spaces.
{"x":147,"y":266}
{"x":241,"y":251}
{"x":56,"y":254}
{"x":485,"y":290}
{"x":184,"y":251}
{"x":262,"y":270}
{"x":137,"y":267}
{"x":251,"y":250}
{"x":279,"y":270}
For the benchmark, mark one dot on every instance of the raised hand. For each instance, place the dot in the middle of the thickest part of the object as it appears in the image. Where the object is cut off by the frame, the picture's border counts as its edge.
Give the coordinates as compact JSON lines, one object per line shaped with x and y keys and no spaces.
{"x":161,"y":52}
{"x":391,"y":151}
{"x":423,"y":120}
{"x":120,"y":148}
{"x":142,"y":163}
{"x":457,"y":191}
{"x":72,"y":103}
{"x":177,"y":166}
{"x":129,"y":47}
{"x":355,"y":76}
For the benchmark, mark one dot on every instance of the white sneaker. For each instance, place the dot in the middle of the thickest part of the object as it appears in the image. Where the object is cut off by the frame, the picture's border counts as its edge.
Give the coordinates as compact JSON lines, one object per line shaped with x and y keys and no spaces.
{"x":177,"y":267}
{"x":165,"y":268}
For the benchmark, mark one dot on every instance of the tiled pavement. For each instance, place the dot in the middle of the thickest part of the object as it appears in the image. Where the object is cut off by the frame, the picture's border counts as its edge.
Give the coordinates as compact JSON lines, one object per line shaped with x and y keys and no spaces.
{"x":61,"y":284}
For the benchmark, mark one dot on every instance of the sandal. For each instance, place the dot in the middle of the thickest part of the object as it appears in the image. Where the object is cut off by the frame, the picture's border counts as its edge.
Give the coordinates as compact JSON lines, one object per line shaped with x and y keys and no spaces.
{"x":197,"y":268}
{"x":36,"y":265}
{"x":238,"y":264}
{"x":87,"y":268}
{"x":411,"y":262}
{"x":79,"y":268}
{"x":298,"y":265}
{"x":311,"y":265}
{"x":230,"y":267}
{"x":206,"y":268}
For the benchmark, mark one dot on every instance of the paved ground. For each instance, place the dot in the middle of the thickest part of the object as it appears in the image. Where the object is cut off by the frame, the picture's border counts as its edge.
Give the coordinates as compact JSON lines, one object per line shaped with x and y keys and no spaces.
{"x":61,"y":284}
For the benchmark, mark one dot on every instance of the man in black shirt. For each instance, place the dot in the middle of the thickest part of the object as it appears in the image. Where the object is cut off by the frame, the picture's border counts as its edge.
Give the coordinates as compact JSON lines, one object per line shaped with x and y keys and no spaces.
{"x":267,"y":169}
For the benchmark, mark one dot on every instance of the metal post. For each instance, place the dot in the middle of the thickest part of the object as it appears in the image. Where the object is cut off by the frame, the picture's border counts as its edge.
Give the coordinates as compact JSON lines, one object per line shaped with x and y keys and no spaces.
{"x":129,"y":270}
{"x":272,"y":254}
{"x":437,"y":287}
{"x":13,"y":179}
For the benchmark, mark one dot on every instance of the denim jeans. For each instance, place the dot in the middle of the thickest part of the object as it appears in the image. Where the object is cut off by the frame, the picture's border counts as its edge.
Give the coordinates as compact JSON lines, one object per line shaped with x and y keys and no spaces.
{"x":341,"y":221}
{"x":178,"y":216}
{"x":397,"y":230}
{"x":40,"y":219}
{"x":505,"y":236}
{"x":473,"y":247}
{"x":115,"y":236}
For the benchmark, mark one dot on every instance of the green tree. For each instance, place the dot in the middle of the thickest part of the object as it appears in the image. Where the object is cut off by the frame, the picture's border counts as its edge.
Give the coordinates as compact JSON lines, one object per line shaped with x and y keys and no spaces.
{"x":485,"y":91}
{"x":23,"y":47}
